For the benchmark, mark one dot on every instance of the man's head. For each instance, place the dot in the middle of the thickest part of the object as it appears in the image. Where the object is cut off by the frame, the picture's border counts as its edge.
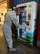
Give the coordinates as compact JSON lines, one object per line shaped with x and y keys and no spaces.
{"x":18,"y":11}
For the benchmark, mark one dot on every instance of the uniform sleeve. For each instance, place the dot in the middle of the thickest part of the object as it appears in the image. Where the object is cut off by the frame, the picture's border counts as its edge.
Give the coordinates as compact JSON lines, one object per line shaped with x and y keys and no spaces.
{"x":14,"y":19}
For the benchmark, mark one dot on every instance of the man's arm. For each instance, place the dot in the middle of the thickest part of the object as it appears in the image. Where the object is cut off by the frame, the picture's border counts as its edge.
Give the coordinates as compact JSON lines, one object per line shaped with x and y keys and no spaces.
{"x":14,"y":18}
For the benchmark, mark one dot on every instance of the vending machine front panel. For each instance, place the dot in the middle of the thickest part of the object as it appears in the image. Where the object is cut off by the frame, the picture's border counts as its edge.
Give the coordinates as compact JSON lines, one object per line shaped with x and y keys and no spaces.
{"x":28,"y":16}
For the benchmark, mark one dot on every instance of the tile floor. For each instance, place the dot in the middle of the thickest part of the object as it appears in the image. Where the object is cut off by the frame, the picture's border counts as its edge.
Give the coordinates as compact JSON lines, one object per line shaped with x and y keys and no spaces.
{"x":22,"y":49}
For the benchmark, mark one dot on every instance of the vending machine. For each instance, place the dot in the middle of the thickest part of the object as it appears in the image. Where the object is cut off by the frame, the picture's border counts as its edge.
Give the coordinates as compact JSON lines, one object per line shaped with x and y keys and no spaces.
{"x":27,"y":21}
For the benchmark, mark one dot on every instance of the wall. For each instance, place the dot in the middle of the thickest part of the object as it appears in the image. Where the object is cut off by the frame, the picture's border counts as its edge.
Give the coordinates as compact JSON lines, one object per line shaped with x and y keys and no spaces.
{"x":23,"y":1}
{"x":3,"y":10}
{"x":10,"y":3}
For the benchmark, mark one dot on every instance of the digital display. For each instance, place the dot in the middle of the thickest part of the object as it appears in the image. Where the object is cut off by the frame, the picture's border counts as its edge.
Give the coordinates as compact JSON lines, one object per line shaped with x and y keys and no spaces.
{"x":27,"y":23}
{"x":29,"y":16}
